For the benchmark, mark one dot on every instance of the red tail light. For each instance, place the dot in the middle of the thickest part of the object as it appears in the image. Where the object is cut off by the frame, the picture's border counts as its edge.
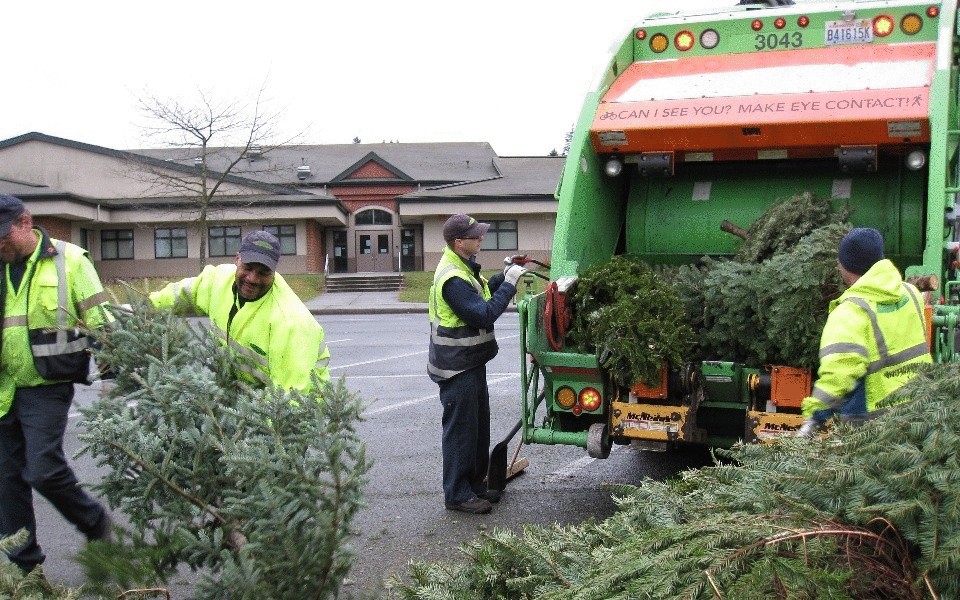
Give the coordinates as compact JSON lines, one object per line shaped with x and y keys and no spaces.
{"x":590,"y":399}
{"x":882,"y":26}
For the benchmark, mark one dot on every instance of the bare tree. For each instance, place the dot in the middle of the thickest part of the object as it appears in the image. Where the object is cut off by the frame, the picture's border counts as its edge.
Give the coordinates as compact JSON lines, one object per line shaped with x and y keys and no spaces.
{"x":219,"y":134}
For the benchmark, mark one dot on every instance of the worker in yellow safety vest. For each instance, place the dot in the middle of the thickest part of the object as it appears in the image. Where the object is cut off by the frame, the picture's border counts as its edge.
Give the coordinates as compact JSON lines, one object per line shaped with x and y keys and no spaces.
{"x":49,"y":289}
{"x":256,"y":314}
{"x":874,"y":340}
{"x":463,"y":307}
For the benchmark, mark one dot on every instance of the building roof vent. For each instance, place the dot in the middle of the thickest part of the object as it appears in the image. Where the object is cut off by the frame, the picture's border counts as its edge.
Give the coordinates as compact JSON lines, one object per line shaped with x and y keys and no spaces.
{"x":303,"y":171}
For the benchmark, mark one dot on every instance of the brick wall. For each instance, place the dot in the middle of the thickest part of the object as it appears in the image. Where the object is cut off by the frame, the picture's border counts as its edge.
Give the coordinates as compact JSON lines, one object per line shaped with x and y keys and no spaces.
{"x":315,"y":247}
{"x":56,"y":227}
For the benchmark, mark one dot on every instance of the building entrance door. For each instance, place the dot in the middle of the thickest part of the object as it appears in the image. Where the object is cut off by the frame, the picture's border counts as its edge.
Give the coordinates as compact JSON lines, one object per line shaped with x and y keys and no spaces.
{"x":375,"y":251}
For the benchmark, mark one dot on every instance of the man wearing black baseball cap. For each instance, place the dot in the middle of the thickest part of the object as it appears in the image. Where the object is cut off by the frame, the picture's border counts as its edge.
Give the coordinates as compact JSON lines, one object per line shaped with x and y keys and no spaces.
{"x":251,"y":305}
{"x":463,"y":306}
{"x":874,"y":340}
{"x":42,"y":355}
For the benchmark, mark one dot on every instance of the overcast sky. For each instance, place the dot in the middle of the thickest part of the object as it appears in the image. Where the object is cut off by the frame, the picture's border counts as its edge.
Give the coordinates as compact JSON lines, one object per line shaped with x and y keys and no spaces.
{"x":509,"y":72}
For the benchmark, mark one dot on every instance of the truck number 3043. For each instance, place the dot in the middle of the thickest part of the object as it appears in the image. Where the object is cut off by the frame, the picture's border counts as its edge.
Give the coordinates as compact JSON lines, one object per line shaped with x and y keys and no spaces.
{"x":774,"y":41}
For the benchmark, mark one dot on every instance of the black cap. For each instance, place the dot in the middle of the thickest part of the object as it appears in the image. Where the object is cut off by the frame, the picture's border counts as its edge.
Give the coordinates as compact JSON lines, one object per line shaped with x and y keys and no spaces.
{"x":260,"y":247}
{"x":462,"y":226}
{"x":11,"y":208}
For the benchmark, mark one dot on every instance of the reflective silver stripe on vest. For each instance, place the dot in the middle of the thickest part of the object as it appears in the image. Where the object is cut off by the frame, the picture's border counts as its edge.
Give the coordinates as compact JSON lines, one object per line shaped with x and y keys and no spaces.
{"x":94,"y":300}
{"x":445,"y":373}
{"x":886,"y":359}
{"x":441,"y":340}
{"x":877,"y":335}
{"x":844,"y":348}
{"x":828,"y":399}
{"x":252,"y":363}
{"x":900,"y":357}
{"x":60,"y":346}
{"x":17,"y":321}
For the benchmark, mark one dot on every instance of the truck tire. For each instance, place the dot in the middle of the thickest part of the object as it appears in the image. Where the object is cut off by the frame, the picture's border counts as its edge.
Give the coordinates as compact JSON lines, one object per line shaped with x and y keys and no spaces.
{"x":598,"y":441}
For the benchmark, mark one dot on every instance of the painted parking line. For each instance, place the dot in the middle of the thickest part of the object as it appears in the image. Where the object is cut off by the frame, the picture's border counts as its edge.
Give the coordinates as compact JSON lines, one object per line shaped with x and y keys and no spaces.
{"x":436,"y":396}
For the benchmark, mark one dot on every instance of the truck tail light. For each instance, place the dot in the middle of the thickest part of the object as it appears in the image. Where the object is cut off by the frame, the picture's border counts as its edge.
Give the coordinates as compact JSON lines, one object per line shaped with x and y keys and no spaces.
{"x":566,"y":397}
{"x":911,"y":24}
{"x":590,"y":399}
{"x":882,"y":26}
{"x":659,"y":43}
{"x":683,"y":41}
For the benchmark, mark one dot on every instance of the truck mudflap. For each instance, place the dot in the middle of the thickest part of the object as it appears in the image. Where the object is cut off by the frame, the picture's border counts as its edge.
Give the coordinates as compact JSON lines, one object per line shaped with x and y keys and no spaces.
{"x":654,"y":423}
{"x":765,"y":426}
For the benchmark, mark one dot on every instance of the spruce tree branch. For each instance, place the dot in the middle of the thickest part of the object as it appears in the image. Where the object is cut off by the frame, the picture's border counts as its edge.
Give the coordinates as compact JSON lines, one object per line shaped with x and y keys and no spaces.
{"x":148,"y":468}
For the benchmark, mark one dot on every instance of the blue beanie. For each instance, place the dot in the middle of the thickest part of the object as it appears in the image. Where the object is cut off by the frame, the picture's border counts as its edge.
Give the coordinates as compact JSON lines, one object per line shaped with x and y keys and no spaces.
{"x":860,"y":249}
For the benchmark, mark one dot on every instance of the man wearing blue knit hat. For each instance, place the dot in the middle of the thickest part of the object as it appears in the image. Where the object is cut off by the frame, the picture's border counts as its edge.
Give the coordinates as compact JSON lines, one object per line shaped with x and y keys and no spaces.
{"x":874,"y":340}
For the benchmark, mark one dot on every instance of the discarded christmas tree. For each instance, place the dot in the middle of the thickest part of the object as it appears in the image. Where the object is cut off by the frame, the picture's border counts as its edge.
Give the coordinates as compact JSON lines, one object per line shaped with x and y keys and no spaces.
{"x":256,"y":487}
{"x":865,"y":514}
{"x":17,"y":585}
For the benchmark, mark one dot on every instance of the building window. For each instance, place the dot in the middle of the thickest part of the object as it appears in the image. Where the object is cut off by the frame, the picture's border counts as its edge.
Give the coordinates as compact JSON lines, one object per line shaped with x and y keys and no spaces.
{"x":224,"y":241}
{"x":374,"y":216}
{"x":502,"y":235}
{"x":170,"y":242}
{"x":287,"y":234}
{"x":116,"y":244}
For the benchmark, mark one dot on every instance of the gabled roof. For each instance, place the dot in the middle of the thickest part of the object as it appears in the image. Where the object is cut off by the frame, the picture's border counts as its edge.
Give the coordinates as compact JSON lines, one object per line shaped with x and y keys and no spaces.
{"x":127,"y":155}
{"x":422,"y":163}
{"x":371,"y":157}
{"x":522,"y":177}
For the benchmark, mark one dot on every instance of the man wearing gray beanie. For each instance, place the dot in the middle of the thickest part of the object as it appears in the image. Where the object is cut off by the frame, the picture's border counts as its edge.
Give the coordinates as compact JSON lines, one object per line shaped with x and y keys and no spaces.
{"x":874,"y":340}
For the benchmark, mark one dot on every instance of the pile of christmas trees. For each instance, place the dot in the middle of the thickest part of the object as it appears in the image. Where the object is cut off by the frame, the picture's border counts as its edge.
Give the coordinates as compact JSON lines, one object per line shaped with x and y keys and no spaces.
{"x":868,"y":513}
{"x":766,"y":305}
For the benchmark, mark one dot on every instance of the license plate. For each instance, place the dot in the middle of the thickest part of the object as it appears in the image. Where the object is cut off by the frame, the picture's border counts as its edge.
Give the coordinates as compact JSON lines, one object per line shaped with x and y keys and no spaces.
{"x":859,"y":31}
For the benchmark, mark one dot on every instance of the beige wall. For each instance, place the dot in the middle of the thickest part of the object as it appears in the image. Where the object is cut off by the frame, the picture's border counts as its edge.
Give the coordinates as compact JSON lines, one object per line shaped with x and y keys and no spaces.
{"x":534,"y":238}
{"x":145,"y":265}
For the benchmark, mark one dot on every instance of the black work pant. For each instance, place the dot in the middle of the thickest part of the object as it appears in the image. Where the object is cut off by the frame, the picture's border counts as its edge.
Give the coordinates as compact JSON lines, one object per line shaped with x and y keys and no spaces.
{"x":466,"y":434}
{"x":32,"y":458}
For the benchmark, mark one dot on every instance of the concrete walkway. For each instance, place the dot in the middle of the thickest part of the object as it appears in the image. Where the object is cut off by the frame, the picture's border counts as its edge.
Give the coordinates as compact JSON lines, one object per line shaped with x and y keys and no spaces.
{"x":346,"y":303}
{"x":367,"y":303}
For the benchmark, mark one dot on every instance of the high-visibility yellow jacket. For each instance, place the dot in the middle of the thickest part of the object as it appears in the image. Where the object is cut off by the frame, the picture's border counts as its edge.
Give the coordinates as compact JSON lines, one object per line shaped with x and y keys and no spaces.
{"x":280,"y":341}
{"x":41,"y":342}
{"x":456,"y":346}
{"x":875,"y":332}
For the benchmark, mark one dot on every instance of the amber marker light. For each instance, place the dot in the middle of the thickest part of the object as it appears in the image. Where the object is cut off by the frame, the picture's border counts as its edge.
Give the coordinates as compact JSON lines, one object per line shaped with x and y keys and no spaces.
{"x":659,"y":43}
{"x":566,"y":397}
{"x":641,"y":34}
{"x":911,"y":24}
{"x":933,"y":12}
{"x":780,"y":23}
{"x":882,"y":26}
{"x":590,"y":399}
{"x":683,"y":41}
{"x":803,"y":21}
{"x":757,"y":25}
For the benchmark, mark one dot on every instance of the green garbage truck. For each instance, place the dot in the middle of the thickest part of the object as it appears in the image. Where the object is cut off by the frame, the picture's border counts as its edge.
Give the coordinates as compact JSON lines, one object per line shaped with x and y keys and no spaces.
{"x":702,"y":118}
